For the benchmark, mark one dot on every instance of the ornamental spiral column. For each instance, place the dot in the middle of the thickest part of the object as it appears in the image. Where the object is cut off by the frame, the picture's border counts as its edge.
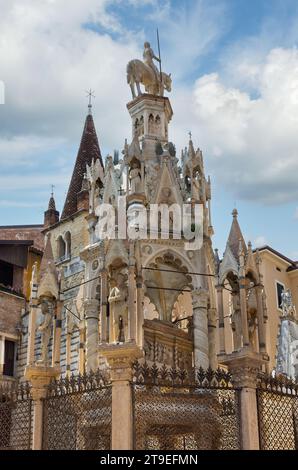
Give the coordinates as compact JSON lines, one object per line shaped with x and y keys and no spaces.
{"x":200,"y":324}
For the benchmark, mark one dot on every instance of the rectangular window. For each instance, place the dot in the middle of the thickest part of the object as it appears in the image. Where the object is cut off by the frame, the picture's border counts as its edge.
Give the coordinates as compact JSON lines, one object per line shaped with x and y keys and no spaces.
{"x":6,"y":274}
{"x":279,"y":290}
{"x":9,"y":357}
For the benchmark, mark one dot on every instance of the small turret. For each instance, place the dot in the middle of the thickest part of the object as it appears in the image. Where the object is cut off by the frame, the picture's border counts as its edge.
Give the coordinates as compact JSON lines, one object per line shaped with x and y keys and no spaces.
{"x":51,"y":215}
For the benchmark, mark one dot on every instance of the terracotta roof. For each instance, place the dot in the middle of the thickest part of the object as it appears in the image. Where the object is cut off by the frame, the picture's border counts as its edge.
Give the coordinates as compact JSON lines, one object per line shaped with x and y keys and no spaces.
{"x":52,"y":205}
{"x":89,"y":149}
{"x":236,"y":235}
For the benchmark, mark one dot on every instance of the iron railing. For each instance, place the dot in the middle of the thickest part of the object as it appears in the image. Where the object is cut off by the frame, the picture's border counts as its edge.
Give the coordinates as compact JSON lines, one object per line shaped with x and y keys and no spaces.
{"x":16,"y":412}
{"x":184,"y":409}
{"x":277,"y":399}
{"x":78,"y":413}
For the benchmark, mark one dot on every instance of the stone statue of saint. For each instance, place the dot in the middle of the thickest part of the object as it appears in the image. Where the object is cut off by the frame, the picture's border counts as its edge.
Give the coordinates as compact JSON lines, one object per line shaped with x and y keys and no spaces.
{"x":236,"y":322}
{"x":196,"y":187}
{"x":135,"y":179}
{"x":47,"y":310}
{"x":118,"y":310}
{"x":252,"y":327}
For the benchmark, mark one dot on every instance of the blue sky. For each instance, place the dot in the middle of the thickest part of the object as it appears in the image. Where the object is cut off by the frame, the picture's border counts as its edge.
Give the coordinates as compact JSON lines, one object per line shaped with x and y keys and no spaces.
{"x":235,"y":86}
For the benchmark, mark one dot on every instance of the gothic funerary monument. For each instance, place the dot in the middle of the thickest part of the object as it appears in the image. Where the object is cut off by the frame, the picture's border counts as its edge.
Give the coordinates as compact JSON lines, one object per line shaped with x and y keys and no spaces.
{"x":127,"y":309}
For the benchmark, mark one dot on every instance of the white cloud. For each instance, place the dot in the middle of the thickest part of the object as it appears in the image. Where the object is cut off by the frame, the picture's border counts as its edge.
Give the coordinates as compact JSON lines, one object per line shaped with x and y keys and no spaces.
{"x":188,"y":31}
{"x":252,"y":143}
{"x":48,"y":60}
{"x":23,"y":149}
{"x":260,"y":241}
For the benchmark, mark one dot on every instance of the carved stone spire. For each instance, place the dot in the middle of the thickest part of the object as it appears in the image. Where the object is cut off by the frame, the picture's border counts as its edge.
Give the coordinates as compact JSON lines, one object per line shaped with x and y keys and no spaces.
{"x":48,"y":276}
{"x":235,"y":236}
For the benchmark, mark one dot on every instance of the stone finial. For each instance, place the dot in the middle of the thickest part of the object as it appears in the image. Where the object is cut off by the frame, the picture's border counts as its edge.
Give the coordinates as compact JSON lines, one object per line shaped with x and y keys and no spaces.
{"x":235,"y":213}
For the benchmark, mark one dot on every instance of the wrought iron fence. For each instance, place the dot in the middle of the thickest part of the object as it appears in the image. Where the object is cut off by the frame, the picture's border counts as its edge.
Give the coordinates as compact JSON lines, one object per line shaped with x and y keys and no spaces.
{"x":78,"y":413}
{"x":184,"y":410}
{"x":15,"y":416}
{"x":277,"y":400}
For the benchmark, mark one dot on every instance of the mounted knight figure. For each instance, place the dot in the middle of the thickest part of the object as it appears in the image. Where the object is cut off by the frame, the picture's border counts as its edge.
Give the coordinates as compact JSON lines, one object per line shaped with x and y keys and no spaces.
{"x":147,"y":74}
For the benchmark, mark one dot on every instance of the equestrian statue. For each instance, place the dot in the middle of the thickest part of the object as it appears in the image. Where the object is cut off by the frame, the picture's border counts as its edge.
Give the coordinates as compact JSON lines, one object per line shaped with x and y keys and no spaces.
{"x":146,"y":73}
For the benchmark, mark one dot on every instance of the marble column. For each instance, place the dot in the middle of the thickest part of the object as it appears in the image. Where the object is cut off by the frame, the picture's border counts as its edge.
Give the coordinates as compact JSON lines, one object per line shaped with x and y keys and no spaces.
{"x":103,"y":306}
{"x":57,"y":335}
{"x":132,"y":288}
{"x":221,"y":323}
{"x":243,"y":306}
{"x":261,"y":323}
{"x":120,"y":358}
{"x":212,"y":331}
{"x":244,"y":367}
{"x":140,"y":311}
{"x":92,"y":333}
{"x":68,"y":353}
{"x":32,"y":331}
{"x":200,"y":324}
{"x":82,"y":330}
{"x":39,"y":377}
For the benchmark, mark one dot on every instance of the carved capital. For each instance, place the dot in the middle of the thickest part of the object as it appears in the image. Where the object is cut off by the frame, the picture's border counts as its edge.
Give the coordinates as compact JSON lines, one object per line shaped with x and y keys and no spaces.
{"x":199,"y":298}
{"x":120,"y":359}
{"x":40,"y":377}
{"x":244,"y":366}
{"x":91,"y":308}
{"x":212,"y":317}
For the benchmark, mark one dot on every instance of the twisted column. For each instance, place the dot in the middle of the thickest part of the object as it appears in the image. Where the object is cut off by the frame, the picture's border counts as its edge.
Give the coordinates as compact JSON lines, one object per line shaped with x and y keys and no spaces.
{"x":200,"y":323}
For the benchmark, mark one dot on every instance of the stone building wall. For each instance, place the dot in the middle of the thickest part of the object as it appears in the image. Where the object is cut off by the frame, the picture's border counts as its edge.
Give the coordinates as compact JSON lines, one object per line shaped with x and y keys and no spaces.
{"x":11,"y":307}
{"x":24,"y":232}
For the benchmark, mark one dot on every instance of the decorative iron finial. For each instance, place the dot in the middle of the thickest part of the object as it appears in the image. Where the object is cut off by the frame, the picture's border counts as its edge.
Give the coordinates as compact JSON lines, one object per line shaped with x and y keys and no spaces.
{"x":52,"y":190}
{"x":90,"y":95}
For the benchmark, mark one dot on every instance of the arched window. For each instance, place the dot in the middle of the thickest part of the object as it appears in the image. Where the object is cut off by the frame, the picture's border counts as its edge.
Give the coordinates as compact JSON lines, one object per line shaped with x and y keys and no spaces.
{"x":67,"y":245}
{"x":136,"y":126}
{"x":141,"y":126}
{"x":61,"y":248}
{"x":151,"y":124}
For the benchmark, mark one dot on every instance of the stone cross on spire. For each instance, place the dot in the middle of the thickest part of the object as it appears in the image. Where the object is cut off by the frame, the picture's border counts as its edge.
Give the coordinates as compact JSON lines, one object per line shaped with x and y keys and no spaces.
{"x":90,"y":95}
